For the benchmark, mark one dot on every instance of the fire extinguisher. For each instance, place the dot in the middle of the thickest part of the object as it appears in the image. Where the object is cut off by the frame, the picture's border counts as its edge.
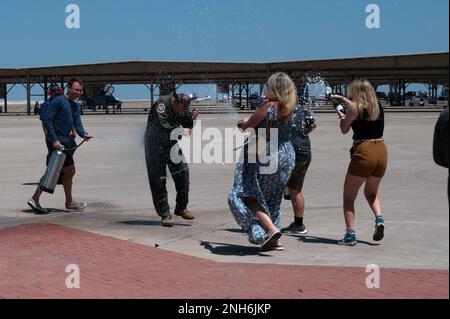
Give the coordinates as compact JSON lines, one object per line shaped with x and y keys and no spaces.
{"x":55,"y":164}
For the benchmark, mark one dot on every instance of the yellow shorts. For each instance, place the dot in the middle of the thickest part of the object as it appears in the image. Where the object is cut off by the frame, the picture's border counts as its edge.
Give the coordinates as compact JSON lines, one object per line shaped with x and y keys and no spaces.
{"x":369,"y":158}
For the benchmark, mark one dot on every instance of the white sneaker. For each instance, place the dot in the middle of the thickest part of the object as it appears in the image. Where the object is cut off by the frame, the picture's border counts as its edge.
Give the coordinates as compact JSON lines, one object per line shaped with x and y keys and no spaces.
{"x":78,"y":206}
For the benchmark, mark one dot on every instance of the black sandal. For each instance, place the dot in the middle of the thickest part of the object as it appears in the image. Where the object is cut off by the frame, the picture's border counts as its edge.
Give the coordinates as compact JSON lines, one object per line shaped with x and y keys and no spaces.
{"x":270,"y":241}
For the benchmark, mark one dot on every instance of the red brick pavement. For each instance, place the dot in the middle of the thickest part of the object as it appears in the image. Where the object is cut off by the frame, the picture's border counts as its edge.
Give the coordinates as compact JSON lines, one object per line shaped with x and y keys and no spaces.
{"x":33,"y":260}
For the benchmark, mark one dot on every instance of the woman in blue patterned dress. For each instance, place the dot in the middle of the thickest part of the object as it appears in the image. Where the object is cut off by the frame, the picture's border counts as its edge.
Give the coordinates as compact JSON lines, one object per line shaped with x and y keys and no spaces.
{"x":257,"y":192}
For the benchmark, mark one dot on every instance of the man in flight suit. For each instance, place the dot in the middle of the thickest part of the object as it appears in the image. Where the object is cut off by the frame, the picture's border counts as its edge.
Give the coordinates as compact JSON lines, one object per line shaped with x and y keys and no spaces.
{"x":168,"y":113}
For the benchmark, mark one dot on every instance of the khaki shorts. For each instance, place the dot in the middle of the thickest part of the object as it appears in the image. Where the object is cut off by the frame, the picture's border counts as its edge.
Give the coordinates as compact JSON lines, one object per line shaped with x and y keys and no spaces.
{"x":298,"y":175}
{"x":369,"y":158}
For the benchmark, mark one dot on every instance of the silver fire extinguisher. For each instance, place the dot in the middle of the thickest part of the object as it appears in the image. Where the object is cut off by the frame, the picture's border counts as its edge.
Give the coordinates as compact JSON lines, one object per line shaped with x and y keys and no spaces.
{"x":55,"y":165}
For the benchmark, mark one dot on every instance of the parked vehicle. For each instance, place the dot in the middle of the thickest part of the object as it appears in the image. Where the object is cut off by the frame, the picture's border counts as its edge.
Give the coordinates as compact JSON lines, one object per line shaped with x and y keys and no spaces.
{"x":416,"y":101}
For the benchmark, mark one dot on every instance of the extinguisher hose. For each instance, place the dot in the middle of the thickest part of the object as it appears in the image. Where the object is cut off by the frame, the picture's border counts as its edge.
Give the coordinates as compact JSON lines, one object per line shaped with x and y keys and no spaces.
{"x":74,"y":148}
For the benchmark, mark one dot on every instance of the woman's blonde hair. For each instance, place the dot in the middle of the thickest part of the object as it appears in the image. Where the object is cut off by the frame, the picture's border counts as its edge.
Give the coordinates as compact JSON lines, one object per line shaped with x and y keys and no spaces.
{"x":281,"y":88}
{"x":363,"y":94}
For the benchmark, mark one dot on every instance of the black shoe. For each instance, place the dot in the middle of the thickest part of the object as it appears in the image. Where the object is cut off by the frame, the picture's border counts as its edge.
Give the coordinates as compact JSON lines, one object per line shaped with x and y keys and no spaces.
{"x":270,"y":241}
{"x":36,"y":207}
{"x":379,"y":229}
{"x":294,"y":229}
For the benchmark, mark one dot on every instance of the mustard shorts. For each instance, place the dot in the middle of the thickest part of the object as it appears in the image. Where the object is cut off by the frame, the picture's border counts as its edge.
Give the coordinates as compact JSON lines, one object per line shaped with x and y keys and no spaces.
{"x":369,"y":158}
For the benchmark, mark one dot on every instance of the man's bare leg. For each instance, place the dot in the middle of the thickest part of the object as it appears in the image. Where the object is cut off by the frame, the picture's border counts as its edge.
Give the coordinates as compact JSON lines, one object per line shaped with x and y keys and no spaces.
{"x":69,"y":173}
{"x":37,"y":195}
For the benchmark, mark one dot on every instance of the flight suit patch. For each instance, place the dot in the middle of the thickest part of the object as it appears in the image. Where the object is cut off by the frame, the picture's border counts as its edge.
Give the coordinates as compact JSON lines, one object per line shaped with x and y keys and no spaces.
{"x":161,"y":108}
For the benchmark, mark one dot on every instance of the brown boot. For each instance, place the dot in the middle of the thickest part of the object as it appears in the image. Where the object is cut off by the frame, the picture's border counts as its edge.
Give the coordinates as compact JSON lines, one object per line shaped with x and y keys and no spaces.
{"x":185,"y":214}
{"x":167,"y":221}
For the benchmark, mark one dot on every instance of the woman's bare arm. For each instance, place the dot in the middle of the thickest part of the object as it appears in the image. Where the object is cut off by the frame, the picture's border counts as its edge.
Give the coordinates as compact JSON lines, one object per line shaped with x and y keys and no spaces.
{"x":257,"y":117}
{"x":349,"y":117}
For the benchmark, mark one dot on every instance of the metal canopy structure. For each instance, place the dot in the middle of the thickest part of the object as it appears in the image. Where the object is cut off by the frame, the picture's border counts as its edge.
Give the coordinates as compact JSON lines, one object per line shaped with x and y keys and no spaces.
{"x":396,"y":70}
{"x":412,"y":68}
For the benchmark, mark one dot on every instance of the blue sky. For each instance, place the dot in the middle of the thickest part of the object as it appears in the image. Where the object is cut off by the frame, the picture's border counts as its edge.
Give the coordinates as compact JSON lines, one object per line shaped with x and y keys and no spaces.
{"x":215,"y":30}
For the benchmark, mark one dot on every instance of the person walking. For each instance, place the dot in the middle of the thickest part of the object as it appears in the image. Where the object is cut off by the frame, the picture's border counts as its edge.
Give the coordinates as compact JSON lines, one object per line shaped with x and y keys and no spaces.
{"x":369,"y":156}
{"x":256,"y":195}
{"x":60,"y":118}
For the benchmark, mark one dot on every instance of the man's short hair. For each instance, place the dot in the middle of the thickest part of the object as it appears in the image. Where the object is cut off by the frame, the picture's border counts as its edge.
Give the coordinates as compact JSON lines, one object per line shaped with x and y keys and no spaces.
{"x":74,"y":80}
{"x":182,"y":98}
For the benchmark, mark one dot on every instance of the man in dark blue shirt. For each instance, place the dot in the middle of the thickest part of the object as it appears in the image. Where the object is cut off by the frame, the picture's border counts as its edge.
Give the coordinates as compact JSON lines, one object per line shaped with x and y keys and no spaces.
{"x":59,"y":119}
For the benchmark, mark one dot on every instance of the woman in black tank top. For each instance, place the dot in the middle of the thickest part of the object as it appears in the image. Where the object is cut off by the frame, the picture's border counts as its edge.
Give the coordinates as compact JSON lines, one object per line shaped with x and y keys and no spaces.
{"x":365,"y":116}
{"x":364,"y":129}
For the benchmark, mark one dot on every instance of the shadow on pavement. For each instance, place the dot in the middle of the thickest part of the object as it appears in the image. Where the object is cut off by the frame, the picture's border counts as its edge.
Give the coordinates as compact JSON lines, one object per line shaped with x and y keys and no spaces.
{"x":229,"y":249}
{"x":320,"y":240}
{"x":235,"y":230}
{"x":147,"y":223}
{"x":48,"y":211}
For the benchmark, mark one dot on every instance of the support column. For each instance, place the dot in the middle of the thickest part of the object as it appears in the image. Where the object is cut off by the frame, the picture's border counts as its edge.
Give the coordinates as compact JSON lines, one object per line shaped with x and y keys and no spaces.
{"x":240,"y":96}
{"x":28,"y":88}
{"x":6,"y":98}
{"x":247,"y":92}
{"x":397,"y":96}
{"x":403,"y":95}
{"x":45,"y":91}
{"x":4,"y":94}
{"x":434,"y":92}
{"x":151,"y":88}
{"x":152,"y":92}
{"x":217,"y":94}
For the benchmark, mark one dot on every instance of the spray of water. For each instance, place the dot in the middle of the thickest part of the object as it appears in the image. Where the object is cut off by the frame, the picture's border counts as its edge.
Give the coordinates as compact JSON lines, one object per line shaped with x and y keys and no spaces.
{"x":315,"y":91}
{"x":133,"y":137}
{"x":176,"y":172}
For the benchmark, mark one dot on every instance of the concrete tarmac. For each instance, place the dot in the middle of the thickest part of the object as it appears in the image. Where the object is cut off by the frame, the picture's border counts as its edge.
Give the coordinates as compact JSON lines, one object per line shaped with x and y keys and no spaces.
{"x":111,"y":177}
